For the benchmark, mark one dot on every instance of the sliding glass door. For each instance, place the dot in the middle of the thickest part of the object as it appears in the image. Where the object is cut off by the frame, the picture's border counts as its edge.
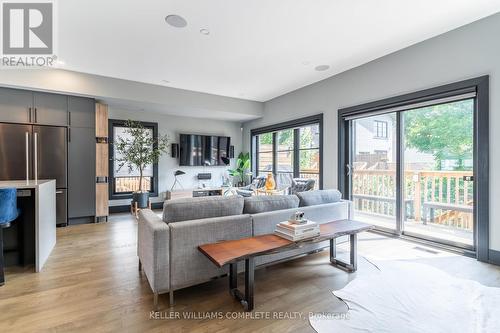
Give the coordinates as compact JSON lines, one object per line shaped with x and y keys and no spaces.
{"x":438,"y":172}
{"x":410,"y":170}
{"x":373,"y":170}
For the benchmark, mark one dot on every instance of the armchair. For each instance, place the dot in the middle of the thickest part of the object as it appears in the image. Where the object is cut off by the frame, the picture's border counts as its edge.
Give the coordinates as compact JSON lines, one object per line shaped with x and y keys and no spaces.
{"x":248,"y":191}
{"x":301,"y":185}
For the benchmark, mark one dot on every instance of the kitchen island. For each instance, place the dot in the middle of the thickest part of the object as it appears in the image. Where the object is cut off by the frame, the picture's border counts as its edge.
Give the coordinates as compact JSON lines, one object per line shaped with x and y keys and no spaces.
{"x":39,"y":216}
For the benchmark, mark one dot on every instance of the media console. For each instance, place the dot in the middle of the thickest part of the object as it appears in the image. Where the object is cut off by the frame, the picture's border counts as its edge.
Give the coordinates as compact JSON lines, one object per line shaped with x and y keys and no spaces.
{"x":195,"y":193}
{"x":207,"y":192}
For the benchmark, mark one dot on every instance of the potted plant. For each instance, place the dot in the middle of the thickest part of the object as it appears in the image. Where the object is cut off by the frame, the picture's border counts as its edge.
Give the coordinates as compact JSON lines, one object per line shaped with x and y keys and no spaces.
{"x":137,"y":149}
{"x":242,"y":168}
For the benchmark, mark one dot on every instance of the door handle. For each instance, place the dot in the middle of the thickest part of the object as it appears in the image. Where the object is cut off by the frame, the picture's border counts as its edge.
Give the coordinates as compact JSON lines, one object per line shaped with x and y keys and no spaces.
{"x":36,"y":116}
{"x":29,"y":115}
{"x":27,"y":156}
{"x":348,"y":167}
{"x":35,"y":158}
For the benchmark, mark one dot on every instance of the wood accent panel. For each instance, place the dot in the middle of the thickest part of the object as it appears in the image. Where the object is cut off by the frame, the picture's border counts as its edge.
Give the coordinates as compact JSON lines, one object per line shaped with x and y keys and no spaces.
{"x":231,"y":251}
{"x":102,"y":201}
{"x":102,"y":160}
{"x":101,"y":120}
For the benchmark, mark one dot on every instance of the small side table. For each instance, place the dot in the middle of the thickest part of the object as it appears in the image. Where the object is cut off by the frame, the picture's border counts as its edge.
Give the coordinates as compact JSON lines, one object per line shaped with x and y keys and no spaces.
{"x":134,"y":210}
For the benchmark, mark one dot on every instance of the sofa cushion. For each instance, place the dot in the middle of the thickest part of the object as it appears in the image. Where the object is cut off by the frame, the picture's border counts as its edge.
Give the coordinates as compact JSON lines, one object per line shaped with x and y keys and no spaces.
{"x":201,"y":208}
{"x":318,"y":197}
{"x":268,"y":203}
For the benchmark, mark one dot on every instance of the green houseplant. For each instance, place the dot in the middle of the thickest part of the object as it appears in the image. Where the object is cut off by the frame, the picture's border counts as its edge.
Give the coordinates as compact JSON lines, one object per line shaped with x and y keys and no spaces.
{"x":242,"y":168}
{"x":137,"y":149}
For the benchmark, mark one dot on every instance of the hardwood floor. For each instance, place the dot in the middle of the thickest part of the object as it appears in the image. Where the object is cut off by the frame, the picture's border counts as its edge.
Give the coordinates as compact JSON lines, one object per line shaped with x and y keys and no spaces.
{"x":91,"y":284}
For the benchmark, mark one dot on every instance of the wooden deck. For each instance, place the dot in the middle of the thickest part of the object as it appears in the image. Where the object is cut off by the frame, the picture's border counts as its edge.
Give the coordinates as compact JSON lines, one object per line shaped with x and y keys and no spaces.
{"x":434,"y":230}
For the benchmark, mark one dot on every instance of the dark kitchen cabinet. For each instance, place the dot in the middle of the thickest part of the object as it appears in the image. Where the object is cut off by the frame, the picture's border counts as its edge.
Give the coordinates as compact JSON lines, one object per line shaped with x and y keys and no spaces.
{"x":81,"y":169}
{"x":50,"y":109}
{"x":81,"y":112}
{"x":65,"y":145}
{"x":15,"y":105}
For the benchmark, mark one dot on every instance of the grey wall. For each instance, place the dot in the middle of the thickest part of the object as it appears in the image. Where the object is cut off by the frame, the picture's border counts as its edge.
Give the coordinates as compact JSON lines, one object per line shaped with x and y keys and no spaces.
{"x":467,"y":52}
{"x":173,"y":126}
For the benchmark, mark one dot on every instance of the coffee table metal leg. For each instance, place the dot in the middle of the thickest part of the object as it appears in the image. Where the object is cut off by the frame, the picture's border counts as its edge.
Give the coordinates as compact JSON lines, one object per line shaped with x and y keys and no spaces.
{"x":233,"y":277}
{"x":353,"y":265}
{"x":249,"y":283}
{"x":333,"y":249}
{"x":245,"y":299}
{"x":353,"y":240}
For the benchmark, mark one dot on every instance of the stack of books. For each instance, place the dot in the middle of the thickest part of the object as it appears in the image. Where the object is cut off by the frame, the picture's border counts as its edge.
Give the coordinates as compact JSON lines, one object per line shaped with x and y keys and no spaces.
{"x":294,"y":231}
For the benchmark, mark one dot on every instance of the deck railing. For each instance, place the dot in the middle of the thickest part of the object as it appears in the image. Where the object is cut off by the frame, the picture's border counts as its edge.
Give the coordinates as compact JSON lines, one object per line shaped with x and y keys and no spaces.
{"x":131,"y":184}
{"x":426,"y":193}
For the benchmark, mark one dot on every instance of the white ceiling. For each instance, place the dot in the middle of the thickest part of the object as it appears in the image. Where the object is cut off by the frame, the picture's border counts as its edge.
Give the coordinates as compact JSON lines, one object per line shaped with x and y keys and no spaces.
{"x":256,"y":49}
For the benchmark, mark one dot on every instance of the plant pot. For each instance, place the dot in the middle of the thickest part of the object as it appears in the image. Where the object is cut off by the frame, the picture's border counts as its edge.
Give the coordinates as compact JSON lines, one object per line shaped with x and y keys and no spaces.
{"x":142,"y":199}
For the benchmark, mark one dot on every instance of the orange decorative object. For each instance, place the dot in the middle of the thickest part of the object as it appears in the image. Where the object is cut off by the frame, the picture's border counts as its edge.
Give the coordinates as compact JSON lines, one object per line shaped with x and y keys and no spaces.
{"x":270,"y":183}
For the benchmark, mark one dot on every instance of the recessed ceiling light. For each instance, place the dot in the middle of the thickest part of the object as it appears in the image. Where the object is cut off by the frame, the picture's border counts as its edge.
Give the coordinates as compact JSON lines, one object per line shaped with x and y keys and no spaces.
{"x":321,"y":68}
{"x":176,"y":21}
{"x":204,"y":31}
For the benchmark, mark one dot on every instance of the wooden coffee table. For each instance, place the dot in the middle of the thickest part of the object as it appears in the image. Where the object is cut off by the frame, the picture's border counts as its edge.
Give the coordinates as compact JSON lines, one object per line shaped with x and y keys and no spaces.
{"x":232,"y":251}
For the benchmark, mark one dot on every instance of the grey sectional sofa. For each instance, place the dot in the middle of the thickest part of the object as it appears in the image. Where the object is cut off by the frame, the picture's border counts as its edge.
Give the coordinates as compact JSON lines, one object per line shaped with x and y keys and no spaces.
{"x":168,"y":247}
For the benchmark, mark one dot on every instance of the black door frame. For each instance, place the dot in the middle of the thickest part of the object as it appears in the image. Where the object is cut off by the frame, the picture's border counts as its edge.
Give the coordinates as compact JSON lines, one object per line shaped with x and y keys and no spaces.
{"x":480,"y":85}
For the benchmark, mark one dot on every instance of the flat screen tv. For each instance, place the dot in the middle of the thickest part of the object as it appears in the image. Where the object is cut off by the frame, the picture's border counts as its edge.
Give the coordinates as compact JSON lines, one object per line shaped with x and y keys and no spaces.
{"x":203,"y":150}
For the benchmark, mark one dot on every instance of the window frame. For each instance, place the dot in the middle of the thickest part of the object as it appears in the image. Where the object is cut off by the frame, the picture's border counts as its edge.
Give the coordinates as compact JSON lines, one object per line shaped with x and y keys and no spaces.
{"x":112,"y":123}
{"x":383,"y":126}
{"x":295,"y":125}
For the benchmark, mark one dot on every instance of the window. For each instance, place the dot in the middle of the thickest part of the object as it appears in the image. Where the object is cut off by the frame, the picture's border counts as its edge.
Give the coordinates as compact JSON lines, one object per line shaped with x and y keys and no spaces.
{"x":265,"y":155}
{"x":289,"y":150}
{"x":380,"y":129}
{"x":122,"y":181}
{"x":309,"y":154}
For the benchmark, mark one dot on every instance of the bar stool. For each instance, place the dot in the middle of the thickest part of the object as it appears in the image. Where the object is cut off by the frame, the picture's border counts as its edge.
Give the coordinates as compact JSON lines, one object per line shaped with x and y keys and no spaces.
{"x":8,"y":213}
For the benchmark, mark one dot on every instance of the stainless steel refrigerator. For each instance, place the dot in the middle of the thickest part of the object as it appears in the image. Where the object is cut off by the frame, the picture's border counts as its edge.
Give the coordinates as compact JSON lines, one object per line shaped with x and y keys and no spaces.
{"x":36,"y":152}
